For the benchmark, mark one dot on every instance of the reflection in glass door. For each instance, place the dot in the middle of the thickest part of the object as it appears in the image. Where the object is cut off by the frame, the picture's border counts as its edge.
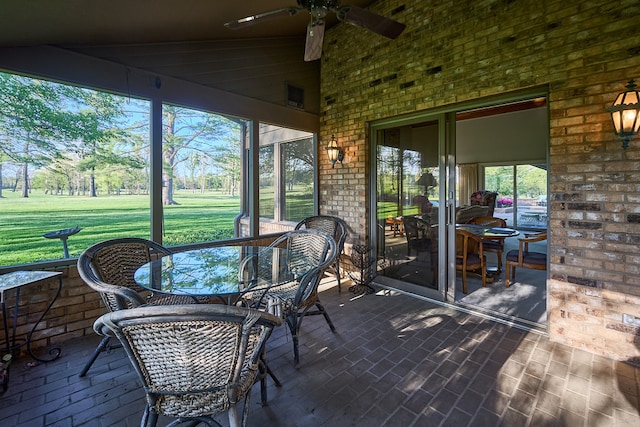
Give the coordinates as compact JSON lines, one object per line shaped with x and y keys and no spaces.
{"x":407,"y":204}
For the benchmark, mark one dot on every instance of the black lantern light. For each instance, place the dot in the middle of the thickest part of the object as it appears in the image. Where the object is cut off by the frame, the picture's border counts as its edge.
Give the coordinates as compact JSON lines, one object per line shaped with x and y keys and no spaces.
{"x":334,"y":152}
{"x":625,"y":113}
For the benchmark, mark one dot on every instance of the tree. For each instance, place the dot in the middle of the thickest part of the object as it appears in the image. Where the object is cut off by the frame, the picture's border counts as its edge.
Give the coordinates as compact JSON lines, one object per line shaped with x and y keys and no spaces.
{"x":42,"y":122}
{"x":32,"y":122}
{"x":299,"y":164}
{"x":102,"y":142}
{"x":210,"y":135}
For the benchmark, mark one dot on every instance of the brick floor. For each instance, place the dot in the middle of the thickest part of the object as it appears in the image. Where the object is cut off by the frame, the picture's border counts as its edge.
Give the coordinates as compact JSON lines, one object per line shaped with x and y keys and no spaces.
{"x":396,"y":360}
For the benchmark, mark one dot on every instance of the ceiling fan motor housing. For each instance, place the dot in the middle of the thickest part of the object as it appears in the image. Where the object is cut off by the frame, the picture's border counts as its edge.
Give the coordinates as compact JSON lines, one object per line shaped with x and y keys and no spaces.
{"x":314,"y":4}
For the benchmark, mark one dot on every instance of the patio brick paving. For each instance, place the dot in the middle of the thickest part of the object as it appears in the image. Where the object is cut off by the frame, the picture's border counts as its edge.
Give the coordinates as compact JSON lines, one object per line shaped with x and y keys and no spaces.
{"x":396,"y":360}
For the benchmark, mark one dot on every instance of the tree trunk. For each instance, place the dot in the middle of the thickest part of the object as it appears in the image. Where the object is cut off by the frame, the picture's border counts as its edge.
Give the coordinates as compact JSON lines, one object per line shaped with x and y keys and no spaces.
{"x":167,"y":190}
{"x":92,"y":183}
{"x":168,"y":151}
{"x":25,"y":180}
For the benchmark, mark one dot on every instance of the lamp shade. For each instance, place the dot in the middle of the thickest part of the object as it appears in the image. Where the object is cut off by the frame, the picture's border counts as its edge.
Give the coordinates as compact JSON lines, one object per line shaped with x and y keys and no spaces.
{"x":427,"y":179}
{"x":625,"y":113}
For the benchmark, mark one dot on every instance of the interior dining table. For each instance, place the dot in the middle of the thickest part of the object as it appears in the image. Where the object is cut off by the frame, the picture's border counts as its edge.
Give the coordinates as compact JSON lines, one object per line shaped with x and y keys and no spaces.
{"x":490,"y":233}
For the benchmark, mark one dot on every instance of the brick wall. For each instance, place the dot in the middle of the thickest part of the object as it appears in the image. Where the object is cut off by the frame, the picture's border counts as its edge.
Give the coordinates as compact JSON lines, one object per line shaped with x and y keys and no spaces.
{"x":584,"y":53}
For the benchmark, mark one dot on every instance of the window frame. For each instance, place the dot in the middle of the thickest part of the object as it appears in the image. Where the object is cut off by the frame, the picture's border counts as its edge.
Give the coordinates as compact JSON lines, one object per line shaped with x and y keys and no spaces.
{"x":67,"y":67}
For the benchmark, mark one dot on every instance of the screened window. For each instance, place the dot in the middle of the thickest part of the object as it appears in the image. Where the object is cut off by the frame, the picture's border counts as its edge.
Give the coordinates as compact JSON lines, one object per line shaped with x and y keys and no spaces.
{"x":201,"y":185}
{"x":287,"y":164}
{"x":79,"y":160}
{"x":70,"y":158}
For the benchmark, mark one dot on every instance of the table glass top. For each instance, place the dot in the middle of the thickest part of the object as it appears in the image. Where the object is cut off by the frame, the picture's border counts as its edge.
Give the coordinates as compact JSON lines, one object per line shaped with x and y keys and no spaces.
{"x":16,"y":279}
{"x":220,"y":271}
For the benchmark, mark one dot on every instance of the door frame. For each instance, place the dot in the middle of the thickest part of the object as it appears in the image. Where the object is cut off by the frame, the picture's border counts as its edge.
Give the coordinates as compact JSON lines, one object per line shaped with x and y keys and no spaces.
{"x":445,"y":115}
{"x":375,"y":129}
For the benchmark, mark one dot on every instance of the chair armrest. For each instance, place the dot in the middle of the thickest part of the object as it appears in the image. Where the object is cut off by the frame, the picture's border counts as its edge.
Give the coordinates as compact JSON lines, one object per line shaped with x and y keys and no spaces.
{"x":534,"y":237}
{"x":529,"y":238}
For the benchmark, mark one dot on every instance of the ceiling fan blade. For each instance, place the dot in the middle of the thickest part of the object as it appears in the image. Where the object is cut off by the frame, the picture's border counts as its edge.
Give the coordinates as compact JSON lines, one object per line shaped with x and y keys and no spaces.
{"x":261,"y":17}
{"x":315,"y":35}
{"x":371,"y":21}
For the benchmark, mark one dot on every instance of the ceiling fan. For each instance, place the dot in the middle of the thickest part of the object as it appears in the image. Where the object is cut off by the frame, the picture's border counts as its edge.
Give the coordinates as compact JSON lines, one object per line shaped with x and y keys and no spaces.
{"x":318,"y":9}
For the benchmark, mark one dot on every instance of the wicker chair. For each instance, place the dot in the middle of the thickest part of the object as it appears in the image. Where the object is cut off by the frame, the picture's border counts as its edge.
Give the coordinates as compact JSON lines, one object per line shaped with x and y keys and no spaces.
{"x":333,"y":226}
{"x":496,"y":246}
{"x":108,"y":268}
{"x":297,"y":298}
{"x":195,"y":360}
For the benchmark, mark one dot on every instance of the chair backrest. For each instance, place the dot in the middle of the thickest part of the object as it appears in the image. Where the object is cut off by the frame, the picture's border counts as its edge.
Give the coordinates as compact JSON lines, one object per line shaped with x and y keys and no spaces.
{"x":490,"y":221}
{"x":331,"y":225}
{"x":467,"y":243}
{"x":109,"y":266}
{"x":531,"y":238}
{"x":308,"y":246}
{"x":484,"y":198}
{"x":465,"y":213}
{"x":411,"y":229}
{"x":194,"y":359}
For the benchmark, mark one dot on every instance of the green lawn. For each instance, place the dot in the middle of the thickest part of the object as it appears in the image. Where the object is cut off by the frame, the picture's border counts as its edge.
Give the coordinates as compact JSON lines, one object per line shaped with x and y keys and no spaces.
{"x":198,"y":217}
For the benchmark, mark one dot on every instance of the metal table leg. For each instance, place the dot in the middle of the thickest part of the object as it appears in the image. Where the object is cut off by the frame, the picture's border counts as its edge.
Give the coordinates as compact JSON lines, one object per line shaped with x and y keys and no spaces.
{"x":53,"y":351}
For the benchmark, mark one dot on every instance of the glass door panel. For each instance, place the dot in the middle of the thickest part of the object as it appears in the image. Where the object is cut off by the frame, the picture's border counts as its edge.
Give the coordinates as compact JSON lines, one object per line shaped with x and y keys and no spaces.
{"x":407,"y":204}
{"x":531,"y":200}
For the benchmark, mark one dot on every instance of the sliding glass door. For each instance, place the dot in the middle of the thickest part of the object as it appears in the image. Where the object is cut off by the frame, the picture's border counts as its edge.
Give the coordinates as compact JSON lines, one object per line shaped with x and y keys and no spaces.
{"x":408,"y":183}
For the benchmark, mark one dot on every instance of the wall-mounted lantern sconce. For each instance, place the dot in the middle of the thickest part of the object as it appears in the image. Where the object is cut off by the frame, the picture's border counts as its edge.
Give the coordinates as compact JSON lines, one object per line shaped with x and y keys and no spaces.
{"x":334,"y":152}
{"x":625,"y":113}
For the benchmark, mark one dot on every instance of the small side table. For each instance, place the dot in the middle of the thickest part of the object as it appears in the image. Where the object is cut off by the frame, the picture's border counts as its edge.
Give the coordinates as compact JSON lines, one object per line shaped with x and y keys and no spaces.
{"x":15,"y":280}
{"x":396,"y":226}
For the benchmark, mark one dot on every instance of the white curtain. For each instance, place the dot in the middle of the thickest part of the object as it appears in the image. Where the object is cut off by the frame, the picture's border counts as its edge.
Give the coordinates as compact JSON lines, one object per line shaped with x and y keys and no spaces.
{"x":468,"y":182}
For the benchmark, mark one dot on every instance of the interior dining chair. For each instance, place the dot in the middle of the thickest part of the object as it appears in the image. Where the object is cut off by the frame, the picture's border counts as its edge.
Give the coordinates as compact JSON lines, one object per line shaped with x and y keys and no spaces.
{"x":297,"y":298}
{"x":195,"y":360}
{"x":491,"y":245}
{"x":336,"y":228}
{"x":416,"y":231}
{"x":470,"y":256}
{"x":524,"y":258}
{"x":108,"y":268}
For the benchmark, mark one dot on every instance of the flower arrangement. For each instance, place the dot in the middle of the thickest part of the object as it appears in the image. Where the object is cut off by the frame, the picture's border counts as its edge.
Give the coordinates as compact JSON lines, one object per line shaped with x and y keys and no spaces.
{"x":504,"y":202}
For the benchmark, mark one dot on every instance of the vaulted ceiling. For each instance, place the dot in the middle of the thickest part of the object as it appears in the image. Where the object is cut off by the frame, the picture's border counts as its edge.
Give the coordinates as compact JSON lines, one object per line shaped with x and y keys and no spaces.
{"x":184,"y":39}
{"x":102,"y":22}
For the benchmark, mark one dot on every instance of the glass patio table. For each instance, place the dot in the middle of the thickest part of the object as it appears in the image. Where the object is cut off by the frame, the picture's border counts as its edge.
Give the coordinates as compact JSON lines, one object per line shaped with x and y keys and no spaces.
{"x":224,"y":272}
